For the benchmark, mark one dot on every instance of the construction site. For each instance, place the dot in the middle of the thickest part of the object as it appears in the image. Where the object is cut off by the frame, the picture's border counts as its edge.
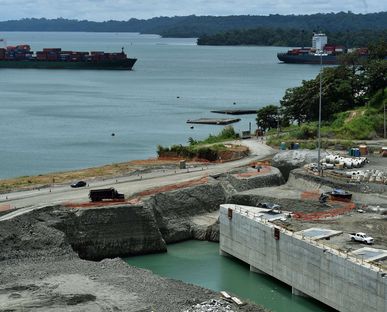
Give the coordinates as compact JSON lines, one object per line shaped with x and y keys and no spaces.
{"x":295,"y":230}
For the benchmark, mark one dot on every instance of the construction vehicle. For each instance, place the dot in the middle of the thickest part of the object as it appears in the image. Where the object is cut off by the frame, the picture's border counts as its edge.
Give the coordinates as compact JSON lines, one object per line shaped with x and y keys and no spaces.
{"x":108,"y":193}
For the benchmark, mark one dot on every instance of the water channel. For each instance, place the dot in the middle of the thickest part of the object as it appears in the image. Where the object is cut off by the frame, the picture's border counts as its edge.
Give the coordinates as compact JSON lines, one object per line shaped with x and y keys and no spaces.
{"x":199,"y":263}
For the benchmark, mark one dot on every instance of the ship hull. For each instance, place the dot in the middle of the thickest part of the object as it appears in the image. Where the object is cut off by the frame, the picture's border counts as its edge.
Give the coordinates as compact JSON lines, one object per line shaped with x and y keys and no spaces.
{"x":126,"y":64}
{"x":307,"y":59}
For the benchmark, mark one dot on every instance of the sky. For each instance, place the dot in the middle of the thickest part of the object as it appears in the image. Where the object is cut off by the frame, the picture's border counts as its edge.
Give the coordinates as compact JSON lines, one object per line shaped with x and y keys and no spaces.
{"x":102,"y":10}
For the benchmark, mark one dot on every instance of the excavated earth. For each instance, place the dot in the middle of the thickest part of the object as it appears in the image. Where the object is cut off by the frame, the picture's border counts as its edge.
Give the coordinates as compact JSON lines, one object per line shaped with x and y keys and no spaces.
{"x":46,"y":255}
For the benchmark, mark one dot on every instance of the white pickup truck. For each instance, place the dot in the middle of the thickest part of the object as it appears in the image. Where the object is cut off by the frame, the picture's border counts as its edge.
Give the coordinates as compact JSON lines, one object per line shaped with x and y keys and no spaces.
{"x":361,"y":237}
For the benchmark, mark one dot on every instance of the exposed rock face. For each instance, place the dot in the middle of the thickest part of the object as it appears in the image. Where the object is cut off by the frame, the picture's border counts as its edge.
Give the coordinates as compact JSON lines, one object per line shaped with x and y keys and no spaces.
{"x":286,"y":161}
{"x":173,"y":209}
{"x":272,"y":178}
{"x":208,"y":233}
{"x":114,"y":231}
{"x":93,"y":233}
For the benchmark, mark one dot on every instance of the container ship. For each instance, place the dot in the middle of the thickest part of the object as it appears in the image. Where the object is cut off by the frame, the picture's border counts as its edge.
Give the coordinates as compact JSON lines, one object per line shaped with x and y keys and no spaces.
{"x":320,"y":52}
{"x":21,"y":56}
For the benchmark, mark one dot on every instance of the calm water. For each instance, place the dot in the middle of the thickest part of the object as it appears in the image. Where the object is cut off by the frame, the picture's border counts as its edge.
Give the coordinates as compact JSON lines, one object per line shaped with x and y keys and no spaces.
{"x":199,"y":263}
{"x":54,"y":120}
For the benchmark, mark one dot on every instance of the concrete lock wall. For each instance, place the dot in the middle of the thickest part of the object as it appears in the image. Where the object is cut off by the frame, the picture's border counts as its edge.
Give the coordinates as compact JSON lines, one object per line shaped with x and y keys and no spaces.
{"x":342,"y":282}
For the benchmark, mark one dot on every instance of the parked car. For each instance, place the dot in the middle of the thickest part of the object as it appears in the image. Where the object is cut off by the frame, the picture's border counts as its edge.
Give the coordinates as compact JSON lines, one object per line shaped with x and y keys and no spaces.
{"x":78,"y":184}
{"x":361,"y":237}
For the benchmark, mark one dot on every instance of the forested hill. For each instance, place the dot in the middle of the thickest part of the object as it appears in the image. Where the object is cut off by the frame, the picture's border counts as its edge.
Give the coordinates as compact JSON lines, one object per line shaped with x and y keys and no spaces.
{"x":197,"y":26}
{"x":292,"y":37}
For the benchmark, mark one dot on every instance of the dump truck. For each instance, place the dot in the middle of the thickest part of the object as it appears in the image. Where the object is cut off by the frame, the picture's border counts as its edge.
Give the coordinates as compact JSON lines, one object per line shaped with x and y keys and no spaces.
{"x":107,"y":193}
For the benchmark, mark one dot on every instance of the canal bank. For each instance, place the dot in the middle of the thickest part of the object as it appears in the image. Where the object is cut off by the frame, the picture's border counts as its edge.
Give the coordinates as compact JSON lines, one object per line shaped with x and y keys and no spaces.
{"x":199,"y":263}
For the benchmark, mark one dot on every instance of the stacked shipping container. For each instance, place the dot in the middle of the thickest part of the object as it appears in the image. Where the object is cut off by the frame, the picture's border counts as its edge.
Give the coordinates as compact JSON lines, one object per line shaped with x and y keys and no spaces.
{"x":22,"y":52}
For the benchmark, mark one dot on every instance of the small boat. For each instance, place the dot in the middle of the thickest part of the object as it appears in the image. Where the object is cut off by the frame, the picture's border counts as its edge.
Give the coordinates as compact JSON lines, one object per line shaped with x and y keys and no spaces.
{"x":339,"y":194}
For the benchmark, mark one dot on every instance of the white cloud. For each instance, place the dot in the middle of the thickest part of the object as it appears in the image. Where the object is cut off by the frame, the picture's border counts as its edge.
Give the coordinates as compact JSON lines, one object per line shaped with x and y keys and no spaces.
{"x":100,"y":10}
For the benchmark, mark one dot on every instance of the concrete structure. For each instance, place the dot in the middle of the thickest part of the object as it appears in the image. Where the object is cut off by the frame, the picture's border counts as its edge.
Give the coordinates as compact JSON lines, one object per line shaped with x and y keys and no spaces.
{"x":319,"y":233}
{"x":312,"y":268}
{"x":370,"y":254}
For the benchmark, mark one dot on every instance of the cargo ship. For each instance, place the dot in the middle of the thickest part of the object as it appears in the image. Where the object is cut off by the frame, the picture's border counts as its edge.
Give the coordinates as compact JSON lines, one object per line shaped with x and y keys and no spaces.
{"x":21,"y":56}
{"x":320,"y":52}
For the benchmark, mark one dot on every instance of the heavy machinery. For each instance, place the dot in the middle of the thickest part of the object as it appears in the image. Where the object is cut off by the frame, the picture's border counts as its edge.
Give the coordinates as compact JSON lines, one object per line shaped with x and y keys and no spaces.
{"x":107,"y":193}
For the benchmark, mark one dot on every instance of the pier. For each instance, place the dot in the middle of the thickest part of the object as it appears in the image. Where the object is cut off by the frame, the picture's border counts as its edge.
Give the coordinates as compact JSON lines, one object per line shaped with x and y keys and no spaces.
{"x":236,"y":111}
{"x":213,"y":121}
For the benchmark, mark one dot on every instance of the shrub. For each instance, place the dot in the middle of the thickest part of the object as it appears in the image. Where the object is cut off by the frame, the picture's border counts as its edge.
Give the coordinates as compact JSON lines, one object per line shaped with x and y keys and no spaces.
{"x":378,"y":99}
{"x":161,"y":150}
{"x":309,"y":145}
{"x":308,"y":131}
{"x":228,"y":133}
{"x":192,"y":141}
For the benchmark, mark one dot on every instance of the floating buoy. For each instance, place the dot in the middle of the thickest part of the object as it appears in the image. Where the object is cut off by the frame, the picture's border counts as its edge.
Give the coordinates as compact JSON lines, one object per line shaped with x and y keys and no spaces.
{"x":113,"y":134}
{"x":178,"y":97}
{"x":234,"y":103}
{"x":192,"y":127}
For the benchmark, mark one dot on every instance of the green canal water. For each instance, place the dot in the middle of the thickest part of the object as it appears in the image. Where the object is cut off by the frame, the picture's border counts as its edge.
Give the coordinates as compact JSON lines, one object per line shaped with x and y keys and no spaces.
{"x":199,"y":263}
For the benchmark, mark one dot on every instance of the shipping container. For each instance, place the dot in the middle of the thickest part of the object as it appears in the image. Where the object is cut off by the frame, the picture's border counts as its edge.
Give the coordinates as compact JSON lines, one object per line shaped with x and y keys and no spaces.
{"x":52,"y":49}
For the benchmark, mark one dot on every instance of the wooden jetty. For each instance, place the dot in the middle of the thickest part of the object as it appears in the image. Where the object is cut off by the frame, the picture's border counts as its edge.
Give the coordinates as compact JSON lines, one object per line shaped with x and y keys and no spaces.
{"x":236,"y":111}
{"x":213,"y":121}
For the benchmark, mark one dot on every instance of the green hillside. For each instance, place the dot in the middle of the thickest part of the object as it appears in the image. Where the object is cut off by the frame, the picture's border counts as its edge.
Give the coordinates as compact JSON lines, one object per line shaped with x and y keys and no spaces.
{"x":353,"y":100}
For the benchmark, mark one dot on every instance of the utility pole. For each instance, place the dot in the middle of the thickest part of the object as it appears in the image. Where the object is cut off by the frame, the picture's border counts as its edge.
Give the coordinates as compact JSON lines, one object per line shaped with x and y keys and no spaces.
{"x":319,"y":121}
{"x":385,"y":120}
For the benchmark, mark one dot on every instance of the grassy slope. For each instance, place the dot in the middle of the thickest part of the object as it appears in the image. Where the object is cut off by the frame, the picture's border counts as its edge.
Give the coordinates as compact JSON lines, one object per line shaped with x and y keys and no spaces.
{"x":364,"y":123}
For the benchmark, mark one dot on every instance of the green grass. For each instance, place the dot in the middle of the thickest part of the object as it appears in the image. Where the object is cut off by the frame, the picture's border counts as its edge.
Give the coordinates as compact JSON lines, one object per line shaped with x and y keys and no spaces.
{"x":363,"y":123}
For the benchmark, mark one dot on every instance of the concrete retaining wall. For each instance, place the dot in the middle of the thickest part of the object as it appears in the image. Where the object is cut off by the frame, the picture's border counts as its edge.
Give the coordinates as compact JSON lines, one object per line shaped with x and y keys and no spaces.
{"x":310,"y":268}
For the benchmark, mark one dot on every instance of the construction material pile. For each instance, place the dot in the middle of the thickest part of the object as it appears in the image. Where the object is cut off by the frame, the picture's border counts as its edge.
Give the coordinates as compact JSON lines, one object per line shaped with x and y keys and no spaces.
{"x":337,"y":161}
{"x":211,"y":305}
{"x":373,"y":175}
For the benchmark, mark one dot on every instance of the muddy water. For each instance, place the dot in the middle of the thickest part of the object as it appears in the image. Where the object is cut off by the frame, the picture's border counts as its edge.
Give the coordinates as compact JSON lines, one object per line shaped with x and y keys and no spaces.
{"x":199,"y":263}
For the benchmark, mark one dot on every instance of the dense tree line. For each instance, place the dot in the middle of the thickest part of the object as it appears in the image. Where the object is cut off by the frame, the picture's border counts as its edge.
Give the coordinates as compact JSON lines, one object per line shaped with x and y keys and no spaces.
{"x":198,"y":26}
{"x":291,"y":37}
{"x":345,"y":87}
